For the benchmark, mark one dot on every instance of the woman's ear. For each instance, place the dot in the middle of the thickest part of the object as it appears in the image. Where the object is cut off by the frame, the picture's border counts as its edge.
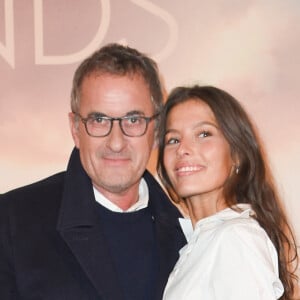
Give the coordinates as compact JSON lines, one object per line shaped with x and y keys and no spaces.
{"x":236,"y":164}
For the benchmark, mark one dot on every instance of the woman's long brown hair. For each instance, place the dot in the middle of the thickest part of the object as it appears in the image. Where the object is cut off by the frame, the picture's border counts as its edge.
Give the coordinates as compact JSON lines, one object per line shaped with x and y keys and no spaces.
{"x":253,"y":184}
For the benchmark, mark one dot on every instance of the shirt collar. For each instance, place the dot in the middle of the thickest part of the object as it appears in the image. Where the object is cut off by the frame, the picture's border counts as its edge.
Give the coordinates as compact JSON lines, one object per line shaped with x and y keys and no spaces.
{"x":240,"y":210}
{"x":221,"y":216}
{"x":140,"y":204}
{"x":187,"y":227}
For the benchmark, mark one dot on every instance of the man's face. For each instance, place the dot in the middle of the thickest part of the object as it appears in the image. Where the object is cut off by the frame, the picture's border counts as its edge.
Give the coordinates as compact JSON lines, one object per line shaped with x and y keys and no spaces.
{"x":115,"y":163}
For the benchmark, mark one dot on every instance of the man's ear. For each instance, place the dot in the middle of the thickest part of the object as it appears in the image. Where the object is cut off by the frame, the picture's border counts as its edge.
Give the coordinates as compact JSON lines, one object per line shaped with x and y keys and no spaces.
{"x":74,"y":128}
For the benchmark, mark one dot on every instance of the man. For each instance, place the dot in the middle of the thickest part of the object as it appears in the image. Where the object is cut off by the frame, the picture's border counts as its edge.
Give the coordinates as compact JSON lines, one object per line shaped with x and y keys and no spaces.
{"x":104,"y":229}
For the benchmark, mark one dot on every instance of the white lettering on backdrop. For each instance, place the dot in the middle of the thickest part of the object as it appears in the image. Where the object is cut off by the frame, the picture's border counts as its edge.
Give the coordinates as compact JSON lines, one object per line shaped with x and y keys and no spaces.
{"x":7,"y":50}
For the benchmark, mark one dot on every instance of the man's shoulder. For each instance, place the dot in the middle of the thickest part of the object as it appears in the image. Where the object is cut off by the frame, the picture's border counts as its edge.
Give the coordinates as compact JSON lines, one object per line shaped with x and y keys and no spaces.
{"x":36,"y":194}
{"x":40,"y":186}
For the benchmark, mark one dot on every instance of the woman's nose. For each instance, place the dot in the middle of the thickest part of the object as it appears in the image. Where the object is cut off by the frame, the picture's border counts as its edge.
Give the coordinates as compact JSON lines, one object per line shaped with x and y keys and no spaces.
{"x":184,"y":148}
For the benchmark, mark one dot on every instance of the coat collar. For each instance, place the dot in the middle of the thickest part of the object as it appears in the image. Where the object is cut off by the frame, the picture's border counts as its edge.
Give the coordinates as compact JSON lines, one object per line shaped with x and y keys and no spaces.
{"x":78,"y":201}
{"x":78,"y":197}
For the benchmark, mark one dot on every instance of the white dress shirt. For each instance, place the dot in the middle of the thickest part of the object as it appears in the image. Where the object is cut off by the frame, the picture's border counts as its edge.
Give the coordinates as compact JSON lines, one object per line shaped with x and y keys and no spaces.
{"x":228,"y":257}
{"x":141,"y":203}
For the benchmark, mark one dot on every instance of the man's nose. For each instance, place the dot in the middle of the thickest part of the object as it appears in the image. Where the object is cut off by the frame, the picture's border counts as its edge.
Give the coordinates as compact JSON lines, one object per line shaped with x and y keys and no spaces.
{"x":116,"y":138}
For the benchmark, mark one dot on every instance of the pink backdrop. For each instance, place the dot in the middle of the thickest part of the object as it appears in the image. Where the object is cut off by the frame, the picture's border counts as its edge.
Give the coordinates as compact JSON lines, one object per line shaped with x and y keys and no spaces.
{"x":250,"y":48}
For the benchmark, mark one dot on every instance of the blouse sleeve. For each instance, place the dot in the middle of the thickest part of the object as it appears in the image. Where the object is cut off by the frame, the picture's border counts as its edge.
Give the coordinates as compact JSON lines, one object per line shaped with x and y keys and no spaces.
{"x":245,"y":266}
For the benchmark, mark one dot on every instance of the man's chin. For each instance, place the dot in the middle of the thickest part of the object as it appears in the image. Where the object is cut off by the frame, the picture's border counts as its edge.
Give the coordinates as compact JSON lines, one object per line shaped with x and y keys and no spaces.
{"x":115,"y":185}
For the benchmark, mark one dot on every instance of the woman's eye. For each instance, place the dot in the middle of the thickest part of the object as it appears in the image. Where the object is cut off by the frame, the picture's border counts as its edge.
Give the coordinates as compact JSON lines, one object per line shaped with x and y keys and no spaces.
{"x":204,"y":134}
{"x":171,"y":141}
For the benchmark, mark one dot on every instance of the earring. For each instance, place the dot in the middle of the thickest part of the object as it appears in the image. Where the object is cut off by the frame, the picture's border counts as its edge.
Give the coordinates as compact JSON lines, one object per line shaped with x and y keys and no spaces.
{"x":237,"y":170}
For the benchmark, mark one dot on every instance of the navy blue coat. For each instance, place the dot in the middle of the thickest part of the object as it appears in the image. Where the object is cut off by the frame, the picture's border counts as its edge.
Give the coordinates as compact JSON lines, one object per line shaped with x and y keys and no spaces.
{"x":52,"y":246}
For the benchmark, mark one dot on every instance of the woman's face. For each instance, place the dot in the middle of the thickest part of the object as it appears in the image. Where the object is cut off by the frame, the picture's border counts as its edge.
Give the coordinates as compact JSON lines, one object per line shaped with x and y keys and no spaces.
{"x":197,"y":156}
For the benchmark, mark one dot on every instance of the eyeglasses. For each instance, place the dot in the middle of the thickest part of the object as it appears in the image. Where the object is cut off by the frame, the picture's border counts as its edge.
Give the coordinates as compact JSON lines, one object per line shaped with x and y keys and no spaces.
{"x":98,"y":125}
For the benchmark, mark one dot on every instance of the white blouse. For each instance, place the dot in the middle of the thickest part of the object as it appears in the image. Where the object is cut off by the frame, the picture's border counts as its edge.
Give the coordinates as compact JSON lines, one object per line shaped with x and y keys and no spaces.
{"x":228,"y":257}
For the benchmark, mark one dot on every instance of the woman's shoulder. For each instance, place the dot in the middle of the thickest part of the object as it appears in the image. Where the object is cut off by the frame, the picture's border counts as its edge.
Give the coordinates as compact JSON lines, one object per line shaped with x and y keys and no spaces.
{"x":241,"y":228}
{"x":245,"y":235}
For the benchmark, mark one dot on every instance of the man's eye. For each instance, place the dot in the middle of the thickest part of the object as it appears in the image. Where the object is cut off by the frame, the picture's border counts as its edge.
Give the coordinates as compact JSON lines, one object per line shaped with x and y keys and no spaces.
{"x":98,"y":119}
{"x":134,"y":119}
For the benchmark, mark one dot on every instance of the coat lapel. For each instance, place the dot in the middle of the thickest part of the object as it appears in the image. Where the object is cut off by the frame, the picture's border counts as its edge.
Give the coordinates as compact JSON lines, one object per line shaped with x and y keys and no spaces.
{"x":89,"y":247}
{"x":80,"y":227}
{"x":169,"y":235}
{"x":170,"y":241}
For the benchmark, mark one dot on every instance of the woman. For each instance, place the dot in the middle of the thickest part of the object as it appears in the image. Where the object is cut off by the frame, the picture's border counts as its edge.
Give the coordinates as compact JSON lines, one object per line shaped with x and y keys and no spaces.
{"x":209,"y":157}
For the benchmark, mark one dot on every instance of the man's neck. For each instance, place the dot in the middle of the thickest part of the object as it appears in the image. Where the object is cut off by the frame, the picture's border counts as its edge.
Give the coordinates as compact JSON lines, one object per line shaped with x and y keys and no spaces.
{"x":124,"y":200}
{"x":130,"y":200}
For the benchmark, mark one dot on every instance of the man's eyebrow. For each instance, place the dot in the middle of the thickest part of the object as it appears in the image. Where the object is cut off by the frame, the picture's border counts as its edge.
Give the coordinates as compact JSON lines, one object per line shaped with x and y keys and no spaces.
{"x":135,"y":112}
{"x":96,"y":114}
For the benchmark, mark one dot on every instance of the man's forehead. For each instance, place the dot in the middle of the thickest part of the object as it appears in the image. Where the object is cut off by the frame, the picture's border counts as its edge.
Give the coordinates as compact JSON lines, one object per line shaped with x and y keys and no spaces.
{"x":116,"y":95}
